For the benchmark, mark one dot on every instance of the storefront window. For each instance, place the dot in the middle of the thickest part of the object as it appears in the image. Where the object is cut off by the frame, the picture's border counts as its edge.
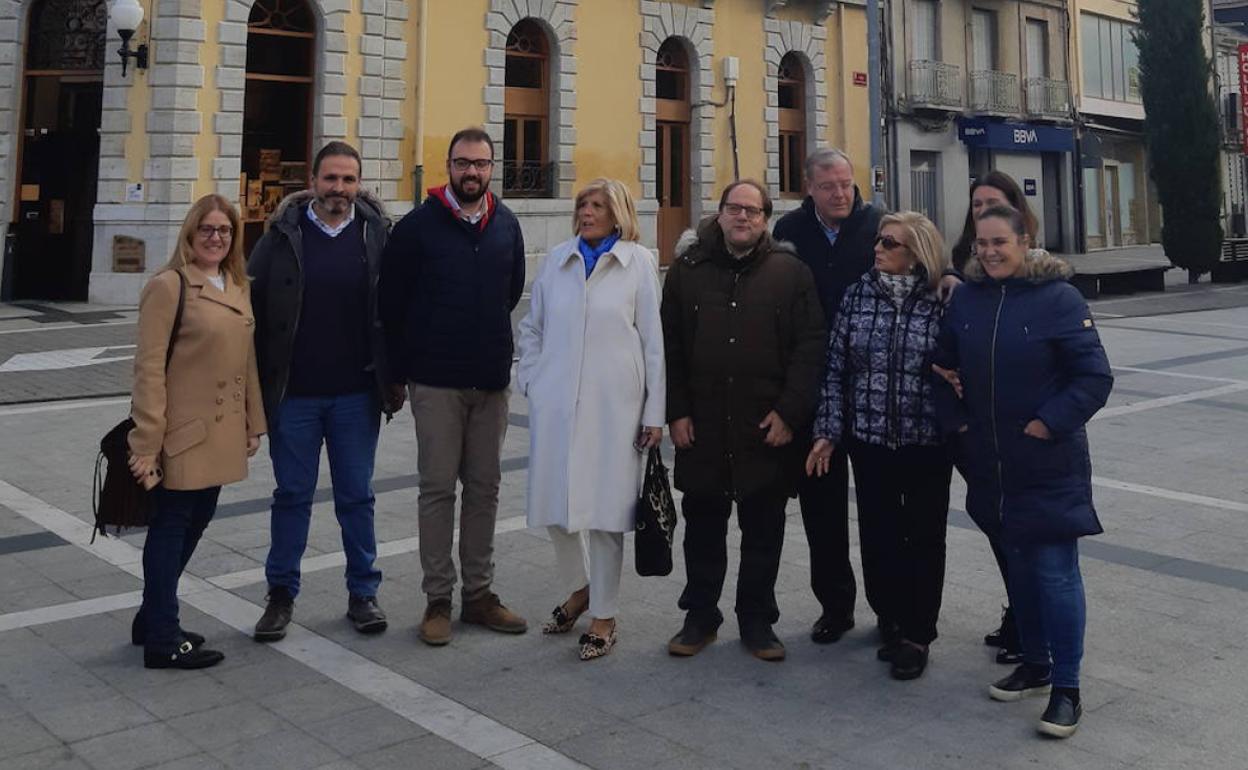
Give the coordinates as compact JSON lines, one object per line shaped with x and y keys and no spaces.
{"x":1092,"y":206}
{"x":1126,"y":203}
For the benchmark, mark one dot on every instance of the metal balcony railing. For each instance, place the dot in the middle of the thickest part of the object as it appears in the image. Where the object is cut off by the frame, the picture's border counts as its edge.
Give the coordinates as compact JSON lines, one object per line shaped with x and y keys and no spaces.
{"x":935,"y":85}
{"x":994,"y":92}
{"x":528,"y":179}
{"x":1047,"y":98}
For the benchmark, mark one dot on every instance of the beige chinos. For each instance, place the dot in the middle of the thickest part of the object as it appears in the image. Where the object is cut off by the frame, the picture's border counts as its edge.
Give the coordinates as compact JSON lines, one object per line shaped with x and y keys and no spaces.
{"x":459,"y":437}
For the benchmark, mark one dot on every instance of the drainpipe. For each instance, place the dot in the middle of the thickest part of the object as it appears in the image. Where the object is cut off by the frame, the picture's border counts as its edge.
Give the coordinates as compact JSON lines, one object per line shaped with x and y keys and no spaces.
{"x":418,"y":168}
{"x":875,"y":94}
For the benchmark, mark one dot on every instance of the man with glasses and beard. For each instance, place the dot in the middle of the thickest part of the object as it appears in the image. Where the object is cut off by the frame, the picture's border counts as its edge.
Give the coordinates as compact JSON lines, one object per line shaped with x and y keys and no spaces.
{"x":323,"y":375}
{"x":451,"y":275}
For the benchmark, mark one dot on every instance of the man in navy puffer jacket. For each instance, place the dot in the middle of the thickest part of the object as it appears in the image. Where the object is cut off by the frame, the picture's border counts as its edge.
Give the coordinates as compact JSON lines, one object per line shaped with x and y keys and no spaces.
{"x":451,"y":274}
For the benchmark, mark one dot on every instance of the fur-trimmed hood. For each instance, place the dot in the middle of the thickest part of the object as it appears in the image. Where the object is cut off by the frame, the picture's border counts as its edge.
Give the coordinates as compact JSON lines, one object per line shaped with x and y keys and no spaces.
{"x":368,"y":204}
{"x":1039,"y":267}
{"x":694,"y":246}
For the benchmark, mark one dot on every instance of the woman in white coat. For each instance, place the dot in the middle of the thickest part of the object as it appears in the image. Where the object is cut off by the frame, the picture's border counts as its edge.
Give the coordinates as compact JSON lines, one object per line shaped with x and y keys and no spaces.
{"x":591,"y":365}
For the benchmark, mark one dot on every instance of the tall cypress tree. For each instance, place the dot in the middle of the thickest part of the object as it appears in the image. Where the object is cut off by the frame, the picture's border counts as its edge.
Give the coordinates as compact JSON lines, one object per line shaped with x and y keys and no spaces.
{"x":1181,"y":131}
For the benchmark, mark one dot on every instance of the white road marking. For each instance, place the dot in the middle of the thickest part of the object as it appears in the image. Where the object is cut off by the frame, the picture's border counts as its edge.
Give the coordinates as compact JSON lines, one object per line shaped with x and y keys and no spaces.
{"x":1180,"y":375}
{"x":60,"y":406}
{"x":1158,"y":403}
{"x":1152,"y":298}
{"x":70,"y":610}
{"x":452,"y":721}
{"x":60,"y":327}
{"x":246,"y":577}
{"x":71,"y":358}
{"x":1170,"y":494}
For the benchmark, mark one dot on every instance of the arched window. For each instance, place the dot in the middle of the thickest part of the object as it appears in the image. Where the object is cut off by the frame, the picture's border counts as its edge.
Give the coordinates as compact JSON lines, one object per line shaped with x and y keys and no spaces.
{"x":672,"y":118}
{"x":277,"y":108}
{"x":527,"y":170}
{"x":67,"y":35}
{"x":791,"y":99}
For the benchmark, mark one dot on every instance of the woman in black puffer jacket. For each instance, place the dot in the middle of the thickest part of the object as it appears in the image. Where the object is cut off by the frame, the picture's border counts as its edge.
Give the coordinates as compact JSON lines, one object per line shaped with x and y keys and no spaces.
{"x":1026,"y":371}
{"x":878,"y":401}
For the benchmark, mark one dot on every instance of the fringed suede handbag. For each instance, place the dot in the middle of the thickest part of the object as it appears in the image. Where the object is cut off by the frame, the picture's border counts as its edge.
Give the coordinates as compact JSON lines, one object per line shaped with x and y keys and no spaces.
{"x":121,"y":501}
{"x":656,"y":520}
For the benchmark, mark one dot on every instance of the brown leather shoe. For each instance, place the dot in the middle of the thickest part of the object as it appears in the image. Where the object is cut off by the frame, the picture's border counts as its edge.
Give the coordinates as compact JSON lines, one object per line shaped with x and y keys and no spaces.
{"x":488,"y":611}
{"x":435,"y":629}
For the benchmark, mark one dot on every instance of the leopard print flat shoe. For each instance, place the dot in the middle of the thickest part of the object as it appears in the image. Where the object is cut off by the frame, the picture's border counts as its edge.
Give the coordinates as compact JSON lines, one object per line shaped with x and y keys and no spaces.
{"x":594,"y":646}
{"x":561,"y":621}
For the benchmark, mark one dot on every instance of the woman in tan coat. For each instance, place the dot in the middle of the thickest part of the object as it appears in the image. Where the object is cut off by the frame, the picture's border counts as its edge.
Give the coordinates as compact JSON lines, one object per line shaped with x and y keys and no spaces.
{"x":198,"y":414}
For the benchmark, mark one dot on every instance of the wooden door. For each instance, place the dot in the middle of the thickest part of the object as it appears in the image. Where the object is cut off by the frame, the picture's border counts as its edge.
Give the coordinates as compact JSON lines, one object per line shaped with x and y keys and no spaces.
{"x":672,"y":185}
{"x":56,"y":195}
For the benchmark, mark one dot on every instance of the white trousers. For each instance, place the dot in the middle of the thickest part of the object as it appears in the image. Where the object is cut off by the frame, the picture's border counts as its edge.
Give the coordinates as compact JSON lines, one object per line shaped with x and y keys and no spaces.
{"x":605,"y":553}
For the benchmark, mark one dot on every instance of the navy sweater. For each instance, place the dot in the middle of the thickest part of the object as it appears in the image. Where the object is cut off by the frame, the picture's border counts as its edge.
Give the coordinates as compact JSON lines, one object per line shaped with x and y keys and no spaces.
{"x":446,"y":295}
{"x":331,"y":353}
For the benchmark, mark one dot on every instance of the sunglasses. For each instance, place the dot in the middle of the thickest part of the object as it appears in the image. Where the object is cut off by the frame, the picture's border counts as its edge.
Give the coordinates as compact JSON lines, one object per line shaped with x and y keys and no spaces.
{"x":889,"y":243}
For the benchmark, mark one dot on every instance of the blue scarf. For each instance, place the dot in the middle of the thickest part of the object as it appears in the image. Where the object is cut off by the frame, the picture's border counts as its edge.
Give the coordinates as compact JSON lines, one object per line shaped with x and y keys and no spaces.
{"x":591,"y":253}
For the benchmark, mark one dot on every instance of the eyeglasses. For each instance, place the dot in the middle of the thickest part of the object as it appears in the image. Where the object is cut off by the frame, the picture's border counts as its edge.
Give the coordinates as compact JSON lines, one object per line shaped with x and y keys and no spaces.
{"x":889,"y":243}
{"x":736,"y":209}
{"x":463,"y":164}
{"x":206,"y":231}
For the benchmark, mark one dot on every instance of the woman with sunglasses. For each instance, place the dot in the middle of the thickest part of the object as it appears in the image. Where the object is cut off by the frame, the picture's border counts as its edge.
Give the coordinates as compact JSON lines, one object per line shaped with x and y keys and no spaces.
{"x":197,"y":411}
{"x":877,"y":399}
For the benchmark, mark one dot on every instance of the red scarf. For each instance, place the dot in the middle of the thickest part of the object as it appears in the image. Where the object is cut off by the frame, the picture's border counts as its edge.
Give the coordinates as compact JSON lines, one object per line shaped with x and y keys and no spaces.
{"x":440,"y":194}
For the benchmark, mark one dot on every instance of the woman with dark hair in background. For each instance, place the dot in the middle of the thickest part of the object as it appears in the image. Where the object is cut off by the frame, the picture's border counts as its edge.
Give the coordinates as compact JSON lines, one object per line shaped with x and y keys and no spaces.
{"x":996,"y":188}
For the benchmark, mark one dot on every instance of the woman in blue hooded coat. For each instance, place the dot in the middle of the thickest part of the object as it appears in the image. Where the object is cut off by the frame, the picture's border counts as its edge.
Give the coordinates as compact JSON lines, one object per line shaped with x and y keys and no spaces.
{"x":1023,"y":372}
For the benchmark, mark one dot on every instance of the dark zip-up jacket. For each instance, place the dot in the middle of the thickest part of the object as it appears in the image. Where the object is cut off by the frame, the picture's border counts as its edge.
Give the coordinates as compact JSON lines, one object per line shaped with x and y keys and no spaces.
{"x":878,"y":387}
{"x":276,"y":270}
{"x":447,"y":291}
{"x":742,"y":337}
{"x":1026,"y":348}
{"x":835,"y":267}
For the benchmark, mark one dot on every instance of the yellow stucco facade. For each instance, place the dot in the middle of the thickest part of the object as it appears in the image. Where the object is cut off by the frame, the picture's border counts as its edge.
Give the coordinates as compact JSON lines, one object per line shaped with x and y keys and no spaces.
{"x":397,"y":78}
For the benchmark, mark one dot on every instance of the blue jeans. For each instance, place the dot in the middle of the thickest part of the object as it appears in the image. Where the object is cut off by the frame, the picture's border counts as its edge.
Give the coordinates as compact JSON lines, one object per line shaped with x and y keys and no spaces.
{"x":1046,"y":592}
{"x":348,"y":426}
{"x":175,"y":524}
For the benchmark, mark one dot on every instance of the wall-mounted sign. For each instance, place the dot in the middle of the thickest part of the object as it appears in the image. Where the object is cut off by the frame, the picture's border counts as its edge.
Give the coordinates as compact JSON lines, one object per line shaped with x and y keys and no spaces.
{"x":1243,"y":94}
{"x":860,"y":79}
{"x":129,"y":254}
{"x":134,"y":192}
{"x":1029,"y":187}
{"x":1018,"y":137}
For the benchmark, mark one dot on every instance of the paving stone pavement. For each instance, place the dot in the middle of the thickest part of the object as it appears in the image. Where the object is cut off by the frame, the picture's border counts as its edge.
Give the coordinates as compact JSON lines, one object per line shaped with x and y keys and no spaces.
{"x":1165,"y":681}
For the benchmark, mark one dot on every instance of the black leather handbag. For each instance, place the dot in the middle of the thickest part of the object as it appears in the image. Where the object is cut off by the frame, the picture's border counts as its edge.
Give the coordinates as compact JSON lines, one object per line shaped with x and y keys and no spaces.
{"x":656,"y":520}
{"x":120,"y":501}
